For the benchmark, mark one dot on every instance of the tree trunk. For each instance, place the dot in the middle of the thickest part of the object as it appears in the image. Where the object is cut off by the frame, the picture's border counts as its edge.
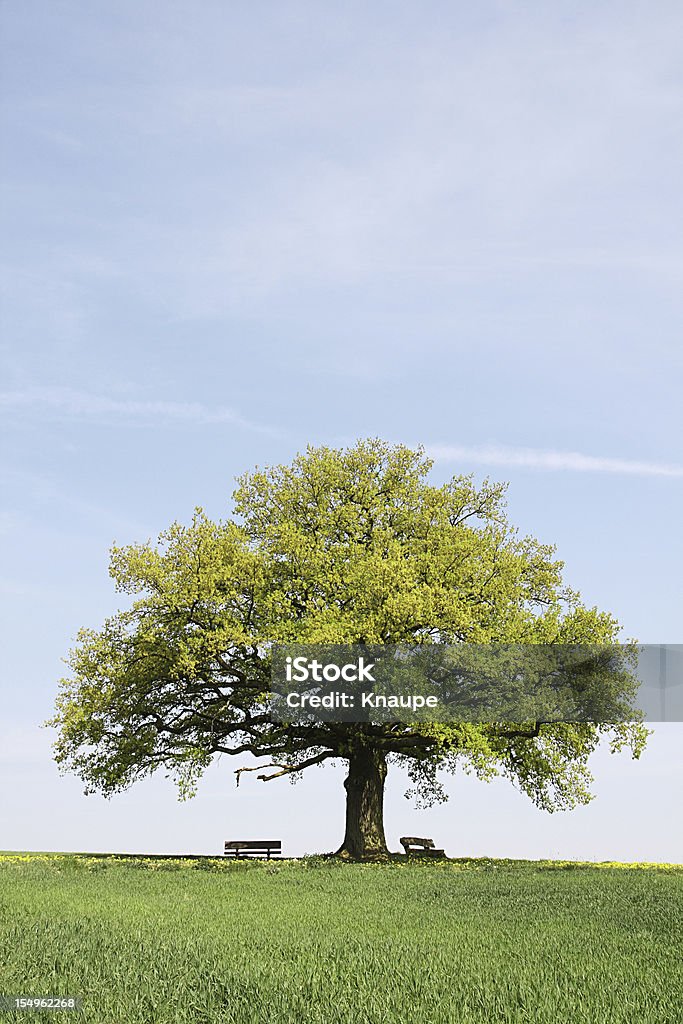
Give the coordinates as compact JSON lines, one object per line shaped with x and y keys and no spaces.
{"x":365,"y":805}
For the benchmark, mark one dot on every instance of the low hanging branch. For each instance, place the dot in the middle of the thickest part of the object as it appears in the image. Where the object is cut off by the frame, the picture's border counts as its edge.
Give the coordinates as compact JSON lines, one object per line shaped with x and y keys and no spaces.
{"x":287,"y":769}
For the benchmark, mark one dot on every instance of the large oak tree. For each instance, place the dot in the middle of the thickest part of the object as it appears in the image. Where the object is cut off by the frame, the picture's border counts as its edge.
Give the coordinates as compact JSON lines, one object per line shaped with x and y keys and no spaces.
{"x":342,"y":546}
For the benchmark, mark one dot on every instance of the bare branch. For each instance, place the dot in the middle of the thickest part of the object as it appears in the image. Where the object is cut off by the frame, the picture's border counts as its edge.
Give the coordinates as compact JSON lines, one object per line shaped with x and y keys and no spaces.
{"x":287,"y":769}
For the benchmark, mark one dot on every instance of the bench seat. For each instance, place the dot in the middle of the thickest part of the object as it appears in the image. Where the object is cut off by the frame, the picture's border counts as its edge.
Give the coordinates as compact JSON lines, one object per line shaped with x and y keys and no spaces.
{"x":415,"y":845}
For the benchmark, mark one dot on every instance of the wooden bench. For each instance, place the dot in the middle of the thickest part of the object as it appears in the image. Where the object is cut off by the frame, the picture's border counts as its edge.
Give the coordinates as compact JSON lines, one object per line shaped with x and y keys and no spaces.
{"x":239,"y":848}
{"x":425,"y":847}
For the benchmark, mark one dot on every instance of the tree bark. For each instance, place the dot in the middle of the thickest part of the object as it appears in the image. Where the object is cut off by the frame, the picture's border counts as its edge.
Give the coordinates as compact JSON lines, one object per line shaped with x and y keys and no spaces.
{"x":364,"y":785}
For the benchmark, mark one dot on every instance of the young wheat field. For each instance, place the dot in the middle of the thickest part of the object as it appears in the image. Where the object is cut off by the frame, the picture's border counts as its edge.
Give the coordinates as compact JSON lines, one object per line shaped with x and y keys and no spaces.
{"x":320,"y":942}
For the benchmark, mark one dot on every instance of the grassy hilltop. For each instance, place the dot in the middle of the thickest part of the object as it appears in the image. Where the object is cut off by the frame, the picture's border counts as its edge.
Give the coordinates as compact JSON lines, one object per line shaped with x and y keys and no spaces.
{"x":318,"y":942}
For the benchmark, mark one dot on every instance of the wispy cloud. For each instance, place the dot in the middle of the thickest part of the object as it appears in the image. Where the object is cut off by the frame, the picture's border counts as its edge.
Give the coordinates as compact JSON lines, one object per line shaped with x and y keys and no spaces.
{"x":37,"y":492}
{"x":539,"y":458}
{"x":84,"y":405}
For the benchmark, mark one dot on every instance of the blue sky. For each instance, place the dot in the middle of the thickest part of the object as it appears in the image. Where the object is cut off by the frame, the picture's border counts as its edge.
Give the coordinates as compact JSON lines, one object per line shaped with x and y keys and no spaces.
{"x":234,"y":229}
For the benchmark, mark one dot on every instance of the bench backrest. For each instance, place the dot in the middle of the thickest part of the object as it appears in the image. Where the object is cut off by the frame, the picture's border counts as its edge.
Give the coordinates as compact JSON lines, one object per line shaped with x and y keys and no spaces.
{"x":426,"y":844}
{"x":253,"y":844}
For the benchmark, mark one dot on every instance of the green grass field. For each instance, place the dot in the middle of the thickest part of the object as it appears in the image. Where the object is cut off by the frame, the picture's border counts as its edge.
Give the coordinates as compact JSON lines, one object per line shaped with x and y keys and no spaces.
{"x":317,"y":942}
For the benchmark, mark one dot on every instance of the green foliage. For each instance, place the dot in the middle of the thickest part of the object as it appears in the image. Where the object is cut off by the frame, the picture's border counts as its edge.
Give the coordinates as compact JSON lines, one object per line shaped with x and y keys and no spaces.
{"x":480,"y":942}
{"x":350,"y":546}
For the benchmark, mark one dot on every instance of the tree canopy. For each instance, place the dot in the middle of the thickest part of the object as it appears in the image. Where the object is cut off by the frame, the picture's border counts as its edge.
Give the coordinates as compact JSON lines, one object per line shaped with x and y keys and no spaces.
{"x":351,"y":546}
